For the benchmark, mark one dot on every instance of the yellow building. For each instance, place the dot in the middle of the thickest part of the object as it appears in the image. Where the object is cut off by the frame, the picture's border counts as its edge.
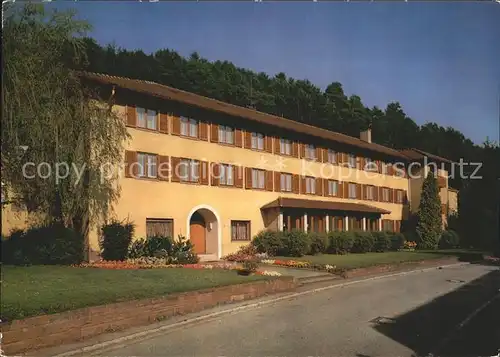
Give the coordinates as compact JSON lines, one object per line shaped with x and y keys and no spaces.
{"x":218,"y":173}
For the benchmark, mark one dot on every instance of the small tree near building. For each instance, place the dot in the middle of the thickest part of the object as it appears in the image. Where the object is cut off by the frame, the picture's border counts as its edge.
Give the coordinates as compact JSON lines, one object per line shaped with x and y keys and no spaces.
{"x":429,"y":221}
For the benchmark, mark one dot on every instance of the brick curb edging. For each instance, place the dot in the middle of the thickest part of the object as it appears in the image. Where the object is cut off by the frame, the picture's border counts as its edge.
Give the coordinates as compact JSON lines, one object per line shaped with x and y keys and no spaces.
{"x":77,"y":325}
{"x":377,"y":269}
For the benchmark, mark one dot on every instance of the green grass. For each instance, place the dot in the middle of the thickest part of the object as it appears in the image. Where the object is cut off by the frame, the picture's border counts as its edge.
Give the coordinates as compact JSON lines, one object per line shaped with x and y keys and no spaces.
{"x":350,"y":261}
{"x":36,"y":290}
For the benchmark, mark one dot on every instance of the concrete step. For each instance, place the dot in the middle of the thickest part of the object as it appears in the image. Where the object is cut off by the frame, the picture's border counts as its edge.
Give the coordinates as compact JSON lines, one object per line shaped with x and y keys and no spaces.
{"x":317,"y":279}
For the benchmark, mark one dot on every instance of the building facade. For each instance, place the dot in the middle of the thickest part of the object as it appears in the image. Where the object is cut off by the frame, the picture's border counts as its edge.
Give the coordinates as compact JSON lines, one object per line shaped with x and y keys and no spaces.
{"x":218,"y":173}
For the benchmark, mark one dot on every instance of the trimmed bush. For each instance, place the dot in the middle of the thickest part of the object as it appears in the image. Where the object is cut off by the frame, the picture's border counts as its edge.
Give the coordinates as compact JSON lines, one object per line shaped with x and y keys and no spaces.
{"x":115,"y":240}
{"x":318,"y":243}
{"x":183,"y":251}
{"x":363,"y":242}
{"x":340,"y":242}
{"x":52,"y":244}
{"x":449,"y":239}
{"x":397,"y":240}
{"x":269,"y":242}
{"x":296,"y":244}
{"x":382,"y":242}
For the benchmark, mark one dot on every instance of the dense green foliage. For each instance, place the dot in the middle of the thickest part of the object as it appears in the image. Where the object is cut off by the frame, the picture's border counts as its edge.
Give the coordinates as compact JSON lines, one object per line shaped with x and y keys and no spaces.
{"x":269,"y":242}
{"x":51,"y":244}
{"x":449,"y":239}
{"x":382,"y":242}
{"x":429,"y":221}
{"x":175,"y":251}
{"x":115,"y":240}
{"x":363,"y":242}
{"x":318,"y":243}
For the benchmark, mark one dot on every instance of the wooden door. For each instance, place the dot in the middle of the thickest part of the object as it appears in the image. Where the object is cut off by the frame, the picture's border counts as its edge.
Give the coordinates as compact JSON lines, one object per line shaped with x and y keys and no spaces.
{"x":197,"y":235}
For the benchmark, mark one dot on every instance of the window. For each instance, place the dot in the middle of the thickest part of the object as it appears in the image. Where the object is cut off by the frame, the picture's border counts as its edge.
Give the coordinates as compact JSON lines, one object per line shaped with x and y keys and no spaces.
{"x":399,"y":196}
{"x":351,"y":160}
{"x":258,"y":178}
{"x":159,"y":227}
{"x":333,"y":187}
{"x":141,"y":117}
{"x":226,"y":134}
{"x":370,"y":165}
{"x":388,"y":225}
{"x":147,"y":165}
{"x":146,"y":118}
{"x":226,"y":175}
{"x":399,"y":170}
{"x":310,"y":151}
{"x":384,"y":168}
{"x":151,"y":119}
{"x":189,"y":127}
{"x":285,"y":147}
{"x":332,"y":156}
{"x":189,"y":170}
{"x":310,"y":185}
{"x":370,"y":192}
{"x":286,"y":182}
{"x":257,"y":141}
{"x":240,"y":230}
{"x":385,"y":194}
{"x":352,"y":190}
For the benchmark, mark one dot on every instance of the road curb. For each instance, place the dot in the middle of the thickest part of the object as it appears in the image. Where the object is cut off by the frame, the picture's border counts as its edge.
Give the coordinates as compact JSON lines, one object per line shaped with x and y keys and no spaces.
{"x":151,"y":332}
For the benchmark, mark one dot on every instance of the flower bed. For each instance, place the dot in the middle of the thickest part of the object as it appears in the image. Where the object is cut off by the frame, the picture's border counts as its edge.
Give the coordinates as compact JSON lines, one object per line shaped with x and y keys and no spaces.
{"x":304,"y":265}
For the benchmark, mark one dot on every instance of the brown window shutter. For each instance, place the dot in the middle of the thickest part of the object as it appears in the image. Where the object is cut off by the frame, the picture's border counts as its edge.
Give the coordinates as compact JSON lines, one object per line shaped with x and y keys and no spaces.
{"x":405,"y":197}
{"x":204,"y":174}
{"x":340,"y":189}
{"x":163,"y":126}
{"x":131,"y":169}
{"x":319,"y":186}
{"x":362,"y":162}
{"x":175,"y":169}
{"x":390,"y":170}
{"x":214,"y":133}
{"x":238,"y":139}
{"x":295,"y":149}
{"x":346,"y":189}
{"x":268,"y":143}
{"x":302,"y":184}
{"x":375,"y":193}
{"x":340,"y":158}
{"x":302,"y":149}
{"x":248,"y":139}
{"x":176,"y":125}
{"x":277,"y":145}
{"x":324,"y":155}
{"x":379,"y":166}
{"x":319,"y":154}
{"x":131,"y":116}
{"x":203,"y":131}
{"x":277,"y":181}
{"x":248,"y":177}
{"x":214,"y":174}
{"x":391,"y":195}
{"x":359,"y":191}
{"x":269,"y":180}
{"x":238,"y":176}
{"x":163,"y":167}
{"x":296,"y":184}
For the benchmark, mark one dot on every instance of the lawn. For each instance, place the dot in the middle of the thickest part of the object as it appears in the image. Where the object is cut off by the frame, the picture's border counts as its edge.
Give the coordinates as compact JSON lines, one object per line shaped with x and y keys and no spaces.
{"x":350,"y":261}
{"x":36,"y":290}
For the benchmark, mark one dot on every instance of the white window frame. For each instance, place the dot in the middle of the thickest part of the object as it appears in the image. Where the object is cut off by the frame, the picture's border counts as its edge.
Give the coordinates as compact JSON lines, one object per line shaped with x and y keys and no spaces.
{"x":257,"y":141}
{"x":370,"y":165}
{"x":310,"y":151}
{"x":286,"y":182}
{"x":332,"y":156}
{"x":192,"y":170}
{"x":189,"y":127}
{"x":285,"y":146}
{"x":147,"y":165}
{"x":351,"y":160}
{"x":226,"y":135}
{"x":226,"y":175}
{"x":258,"y":179}
{"x":384,"y":168}
{"x":385,"y":194}
{"x":141,"y":117}
{"x":370,"y":193}
{"x":151,"y":119}
{"x":350,"y":192}
{"x":310,"y":185}
{"x":333,"y":188}
{"x":399,"y":196}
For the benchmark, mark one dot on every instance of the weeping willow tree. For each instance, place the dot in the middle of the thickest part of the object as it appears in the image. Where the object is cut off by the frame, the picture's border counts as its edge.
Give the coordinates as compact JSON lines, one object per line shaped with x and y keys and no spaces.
{"x":51,"y":122}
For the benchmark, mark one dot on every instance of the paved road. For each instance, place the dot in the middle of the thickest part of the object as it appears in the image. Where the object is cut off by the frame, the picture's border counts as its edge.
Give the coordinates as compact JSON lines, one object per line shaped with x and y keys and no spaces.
{"x":394,"y":316}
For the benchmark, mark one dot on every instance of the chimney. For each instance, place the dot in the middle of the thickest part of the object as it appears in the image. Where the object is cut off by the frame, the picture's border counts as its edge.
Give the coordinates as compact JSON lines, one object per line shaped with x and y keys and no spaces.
{"x":366,"y":135}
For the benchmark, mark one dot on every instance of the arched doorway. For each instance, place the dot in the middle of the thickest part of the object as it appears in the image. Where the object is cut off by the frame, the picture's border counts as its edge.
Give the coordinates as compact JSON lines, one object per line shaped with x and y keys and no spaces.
{"x":204,"y":232}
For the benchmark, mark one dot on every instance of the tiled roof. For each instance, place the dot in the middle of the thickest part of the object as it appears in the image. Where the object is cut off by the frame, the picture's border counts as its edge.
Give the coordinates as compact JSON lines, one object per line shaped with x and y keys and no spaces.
{"x":323,"y":205}
{"x":166,"y":92}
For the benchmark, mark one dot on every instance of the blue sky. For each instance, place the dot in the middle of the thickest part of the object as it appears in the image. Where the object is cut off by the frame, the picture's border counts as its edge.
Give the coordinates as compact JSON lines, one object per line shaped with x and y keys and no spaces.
{"x":440,"y":60}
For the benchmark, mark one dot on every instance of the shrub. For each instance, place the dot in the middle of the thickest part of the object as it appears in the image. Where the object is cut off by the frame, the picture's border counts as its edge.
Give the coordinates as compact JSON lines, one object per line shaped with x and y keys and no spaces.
{"x":363,"y":242}
{"x":244,"y":253}
{"x":318,"y":243}
{"x":250,"y":265}
{"x":296,"y":244}
{"x":51,"y":244}
{"x":429,"y":219}
{"x":397,"y":240}
{"x":115,"y":240}
{"x":183,"y":251}
{"x":269,"y":242}
{"x":340,"y":242}
{"x":449,"y":239}
{"x":138,"y":249}
{"x":382,"y":242}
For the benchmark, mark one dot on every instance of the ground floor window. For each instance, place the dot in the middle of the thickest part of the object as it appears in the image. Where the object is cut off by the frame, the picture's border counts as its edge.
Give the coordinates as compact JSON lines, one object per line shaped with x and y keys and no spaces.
{"x":336,"y":223}
{"x":388,"y":225}
{"x":372,"y":224}
{"x":315,"y":223}
{"x":355,"y":224}
{"x":163,"y":227}
{"x":240,"y":230}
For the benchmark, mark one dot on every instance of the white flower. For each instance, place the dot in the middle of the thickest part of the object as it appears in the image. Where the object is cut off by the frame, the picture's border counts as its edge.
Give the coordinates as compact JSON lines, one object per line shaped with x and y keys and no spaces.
{"x":267,"y":261}
{"x":270,"y":273}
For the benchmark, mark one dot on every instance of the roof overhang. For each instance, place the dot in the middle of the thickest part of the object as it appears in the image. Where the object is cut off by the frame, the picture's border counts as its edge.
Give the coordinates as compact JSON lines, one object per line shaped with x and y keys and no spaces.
{"x":285,"y":202}
{"x":419,"y":155}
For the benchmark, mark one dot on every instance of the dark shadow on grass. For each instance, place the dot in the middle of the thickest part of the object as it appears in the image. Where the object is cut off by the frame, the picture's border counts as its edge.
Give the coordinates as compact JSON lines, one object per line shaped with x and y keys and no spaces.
{"x":463,"y":256}
{"x":424,"y":328}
